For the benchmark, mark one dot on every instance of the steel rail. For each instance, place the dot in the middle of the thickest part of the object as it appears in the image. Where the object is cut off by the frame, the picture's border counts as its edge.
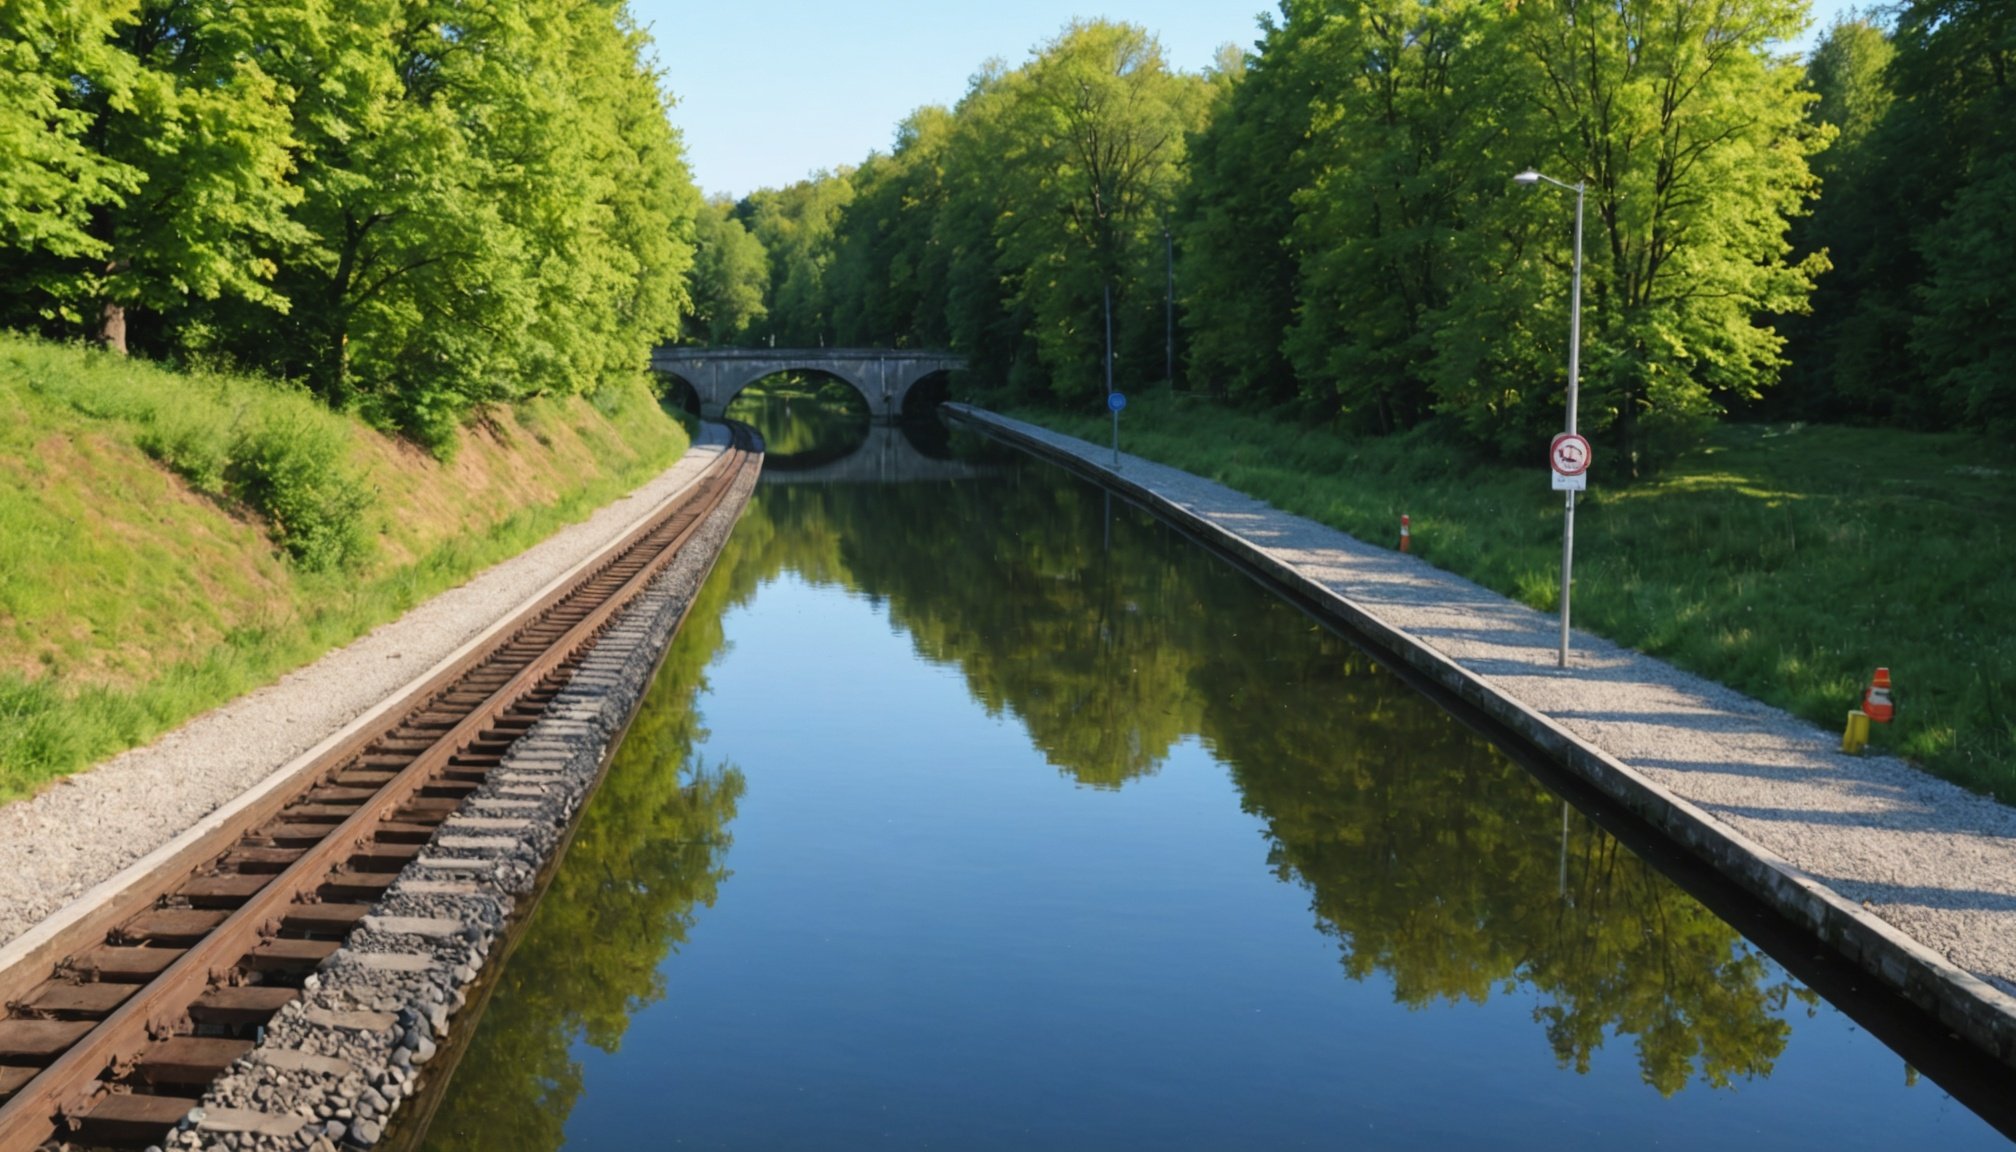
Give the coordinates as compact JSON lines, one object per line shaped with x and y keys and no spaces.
{"x":60,"y":1098}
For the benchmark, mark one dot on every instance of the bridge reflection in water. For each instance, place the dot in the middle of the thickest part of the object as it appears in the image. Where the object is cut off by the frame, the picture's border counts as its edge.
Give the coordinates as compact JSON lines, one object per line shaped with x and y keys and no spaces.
{"x":890,"y":454}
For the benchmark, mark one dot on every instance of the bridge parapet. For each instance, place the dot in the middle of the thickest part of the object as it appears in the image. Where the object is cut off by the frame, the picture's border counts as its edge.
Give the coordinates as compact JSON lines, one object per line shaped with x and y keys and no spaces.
{"x":883,"y":376}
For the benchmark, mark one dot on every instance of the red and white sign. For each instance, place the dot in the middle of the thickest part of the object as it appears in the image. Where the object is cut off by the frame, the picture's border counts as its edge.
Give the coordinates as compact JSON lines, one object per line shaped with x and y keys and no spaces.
{"x":1569,"y":458}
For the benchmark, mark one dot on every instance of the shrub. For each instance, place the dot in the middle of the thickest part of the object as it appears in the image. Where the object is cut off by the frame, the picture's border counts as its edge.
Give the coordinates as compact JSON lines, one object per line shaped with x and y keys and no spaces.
{"x":289,"y":466}
{"x":190,"y":442}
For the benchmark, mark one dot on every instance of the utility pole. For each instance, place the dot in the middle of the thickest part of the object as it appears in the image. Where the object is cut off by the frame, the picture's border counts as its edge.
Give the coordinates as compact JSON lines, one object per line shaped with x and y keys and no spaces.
{"x":1169,"y":308}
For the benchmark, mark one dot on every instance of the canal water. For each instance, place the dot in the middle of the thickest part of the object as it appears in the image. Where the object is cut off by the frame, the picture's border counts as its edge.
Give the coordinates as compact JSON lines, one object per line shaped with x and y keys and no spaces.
{"x":994,"y":814}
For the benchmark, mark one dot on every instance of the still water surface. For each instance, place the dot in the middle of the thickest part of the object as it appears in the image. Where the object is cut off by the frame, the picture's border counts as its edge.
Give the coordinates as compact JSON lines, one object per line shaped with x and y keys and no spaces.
{"x":995,"y":815}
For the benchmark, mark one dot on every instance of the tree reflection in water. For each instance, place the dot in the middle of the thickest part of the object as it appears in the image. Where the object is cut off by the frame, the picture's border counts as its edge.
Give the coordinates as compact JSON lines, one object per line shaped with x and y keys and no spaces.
{"x":1428,"y":855}
{"x":650,"y":851}
{"x":805,"y":418}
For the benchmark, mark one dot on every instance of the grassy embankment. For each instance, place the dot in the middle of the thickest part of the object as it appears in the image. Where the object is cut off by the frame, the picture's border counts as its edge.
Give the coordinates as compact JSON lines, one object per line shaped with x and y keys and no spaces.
{"x":1785,"y":561}
{"x":168,"y":542}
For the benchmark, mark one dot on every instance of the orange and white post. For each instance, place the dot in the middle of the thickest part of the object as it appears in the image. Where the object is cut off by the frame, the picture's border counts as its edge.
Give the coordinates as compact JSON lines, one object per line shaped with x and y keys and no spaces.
{"x":1876,"y":700}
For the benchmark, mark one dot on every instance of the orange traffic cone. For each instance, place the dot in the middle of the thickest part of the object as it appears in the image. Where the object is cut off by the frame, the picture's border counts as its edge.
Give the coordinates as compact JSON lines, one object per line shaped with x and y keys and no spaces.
{"x":1406,"y":532}
{"x":1876,"y":698}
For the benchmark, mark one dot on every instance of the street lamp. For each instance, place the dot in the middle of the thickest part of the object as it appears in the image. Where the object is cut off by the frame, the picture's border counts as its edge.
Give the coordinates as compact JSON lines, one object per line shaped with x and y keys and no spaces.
{"x":1529,"y":178}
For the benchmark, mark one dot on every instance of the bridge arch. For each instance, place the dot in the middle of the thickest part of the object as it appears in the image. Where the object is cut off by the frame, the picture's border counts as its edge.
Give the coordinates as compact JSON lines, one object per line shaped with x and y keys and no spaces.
{"x":882,"y":376}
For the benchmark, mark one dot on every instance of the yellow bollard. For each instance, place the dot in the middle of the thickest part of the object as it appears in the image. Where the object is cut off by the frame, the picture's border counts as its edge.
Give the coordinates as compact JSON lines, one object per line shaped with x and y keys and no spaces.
{"x":1857,"y":733}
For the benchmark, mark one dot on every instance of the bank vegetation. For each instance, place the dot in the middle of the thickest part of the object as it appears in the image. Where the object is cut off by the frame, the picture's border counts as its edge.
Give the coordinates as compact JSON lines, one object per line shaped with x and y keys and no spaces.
{"x":1798,"y":358}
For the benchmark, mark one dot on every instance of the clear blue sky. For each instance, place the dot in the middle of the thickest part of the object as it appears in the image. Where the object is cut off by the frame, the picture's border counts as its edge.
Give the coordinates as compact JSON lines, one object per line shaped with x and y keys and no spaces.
{"x":771,"y":90}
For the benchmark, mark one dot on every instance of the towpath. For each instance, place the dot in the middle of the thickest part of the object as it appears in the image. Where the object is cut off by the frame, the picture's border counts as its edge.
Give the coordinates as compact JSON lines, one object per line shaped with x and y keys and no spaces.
{"x":1911,"y":876}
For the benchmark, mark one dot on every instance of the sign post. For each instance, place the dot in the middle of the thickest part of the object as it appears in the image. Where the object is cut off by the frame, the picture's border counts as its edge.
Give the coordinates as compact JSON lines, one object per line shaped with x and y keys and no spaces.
{"x":1110,"y":393}
{"x":1568,"y":460}
{"x":1115,"y":401}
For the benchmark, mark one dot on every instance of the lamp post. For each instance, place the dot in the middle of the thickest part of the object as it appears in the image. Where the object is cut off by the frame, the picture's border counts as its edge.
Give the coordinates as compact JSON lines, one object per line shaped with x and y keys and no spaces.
{"x":1529,"y":178}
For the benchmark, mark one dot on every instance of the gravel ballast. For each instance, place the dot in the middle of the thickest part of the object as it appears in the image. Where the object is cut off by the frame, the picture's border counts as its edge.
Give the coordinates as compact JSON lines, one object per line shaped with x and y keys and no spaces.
{"x":1911,"y":877}
{"x":333,"y":1068}
{"x":85,"y":829}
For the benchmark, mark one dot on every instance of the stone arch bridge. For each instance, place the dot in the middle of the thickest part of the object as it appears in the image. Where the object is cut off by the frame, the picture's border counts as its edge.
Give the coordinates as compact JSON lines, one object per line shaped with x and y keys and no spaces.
{"x":883,"y":376}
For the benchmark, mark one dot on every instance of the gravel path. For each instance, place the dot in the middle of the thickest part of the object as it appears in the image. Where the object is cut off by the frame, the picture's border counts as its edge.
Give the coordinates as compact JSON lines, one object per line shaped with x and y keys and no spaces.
{"x":89,"y":826}
{"x":1930,"y":858}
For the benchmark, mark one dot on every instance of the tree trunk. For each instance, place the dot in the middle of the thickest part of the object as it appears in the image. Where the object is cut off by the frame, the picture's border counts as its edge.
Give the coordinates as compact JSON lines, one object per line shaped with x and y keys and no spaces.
{"x":112,"y":327}
{"x":112,"y":316}
{"x":338,"y":364}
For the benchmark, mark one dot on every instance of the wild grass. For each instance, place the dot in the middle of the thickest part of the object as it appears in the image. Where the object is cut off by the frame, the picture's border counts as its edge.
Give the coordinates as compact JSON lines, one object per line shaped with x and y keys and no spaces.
{"x":169,"y":542}
{"x":261,"y":443}
{"x":1785,"y":561}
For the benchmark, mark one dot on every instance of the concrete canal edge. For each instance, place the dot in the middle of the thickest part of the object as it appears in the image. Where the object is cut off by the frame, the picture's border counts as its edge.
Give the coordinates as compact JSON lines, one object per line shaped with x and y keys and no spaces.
{"x":334,"y":1067}
{"x":1969,"y":1006}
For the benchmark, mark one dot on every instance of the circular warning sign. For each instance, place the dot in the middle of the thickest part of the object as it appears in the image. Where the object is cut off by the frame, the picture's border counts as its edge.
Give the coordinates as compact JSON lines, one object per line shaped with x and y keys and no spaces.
{"x":1570,"y":455}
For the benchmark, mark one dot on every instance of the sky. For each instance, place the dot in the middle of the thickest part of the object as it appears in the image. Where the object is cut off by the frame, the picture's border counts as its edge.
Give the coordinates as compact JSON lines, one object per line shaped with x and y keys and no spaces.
{"x":770,"y":91}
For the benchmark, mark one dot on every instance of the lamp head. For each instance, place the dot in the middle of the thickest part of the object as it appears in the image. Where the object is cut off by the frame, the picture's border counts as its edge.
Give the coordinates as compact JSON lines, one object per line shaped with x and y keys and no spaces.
{"x":1529,"y":178}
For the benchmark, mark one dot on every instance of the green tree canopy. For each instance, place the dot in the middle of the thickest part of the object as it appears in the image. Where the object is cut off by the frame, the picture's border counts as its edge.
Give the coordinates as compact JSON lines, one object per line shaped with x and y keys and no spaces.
{"x":205,"y":128}
{"x":1235,"y":215}
{"x":1411,"y":97}
{"x":1914,"y":327}
{"x":414,"y":206}
{"x":1688,"y":126}
{"x":888,"y":277}
{"x":53,"y":53}
{"x":1848,"y":74}
{"x":1955,"y":75}
{"x":796,"y":228}
{"x":731,"y":275}
{"x":1092,"y":140}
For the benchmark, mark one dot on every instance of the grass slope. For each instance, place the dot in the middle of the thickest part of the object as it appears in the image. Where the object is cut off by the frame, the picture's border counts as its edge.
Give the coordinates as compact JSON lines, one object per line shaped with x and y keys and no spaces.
{"x":169,"y":542}
{"x":1786,"y":561}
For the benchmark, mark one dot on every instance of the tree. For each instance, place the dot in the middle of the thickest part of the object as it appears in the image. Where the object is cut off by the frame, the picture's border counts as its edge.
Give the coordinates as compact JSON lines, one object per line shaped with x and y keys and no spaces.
{"x":492,"y":204}
{"x":796,"y":227}
{"x":607,"y":207}
{"x":1689,"y":130}
{"x":1410,"y":98}
{"x":204,"y":129}
{"x":1094,"y":132}
{"x":887,"y":279}
{"x":1851,"y":224}
{"x":1914,"y":328}
{"x":980,"y":317}
{"x":731,"y":275}
{"x":1236,"y":212}
{"x":1955,"y":75}
{"x":56,"y":61}
{"x":997,"y":227}
{"x":1968,"y":332}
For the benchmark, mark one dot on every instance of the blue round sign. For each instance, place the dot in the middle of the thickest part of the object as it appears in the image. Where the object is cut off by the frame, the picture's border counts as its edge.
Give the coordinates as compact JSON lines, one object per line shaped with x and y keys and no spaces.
{"x":1116,"y":401}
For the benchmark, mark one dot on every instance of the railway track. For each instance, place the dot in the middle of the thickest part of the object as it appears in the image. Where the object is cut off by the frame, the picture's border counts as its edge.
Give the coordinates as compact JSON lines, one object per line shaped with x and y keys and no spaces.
{"x":149,"y":999}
